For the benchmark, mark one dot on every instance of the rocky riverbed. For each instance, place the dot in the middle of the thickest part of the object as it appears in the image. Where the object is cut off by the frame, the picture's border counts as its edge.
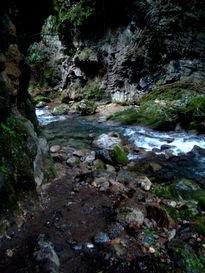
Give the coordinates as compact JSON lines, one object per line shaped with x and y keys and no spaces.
{"x":114,"y":206}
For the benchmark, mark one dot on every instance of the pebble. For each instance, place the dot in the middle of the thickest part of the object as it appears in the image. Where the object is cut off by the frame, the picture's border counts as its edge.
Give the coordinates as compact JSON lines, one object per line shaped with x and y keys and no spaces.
{"x":89,"y":245}
{"x":152,"y":250}
{"x":9,"y":253}
{"x":55,"y":148}
{"x":77,"y":247}
{"x":101,"y":238}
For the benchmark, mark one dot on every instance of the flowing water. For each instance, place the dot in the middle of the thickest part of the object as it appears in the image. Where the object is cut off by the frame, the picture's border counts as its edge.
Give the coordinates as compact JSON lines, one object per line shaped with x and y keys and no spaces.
{"x":75,"y":131}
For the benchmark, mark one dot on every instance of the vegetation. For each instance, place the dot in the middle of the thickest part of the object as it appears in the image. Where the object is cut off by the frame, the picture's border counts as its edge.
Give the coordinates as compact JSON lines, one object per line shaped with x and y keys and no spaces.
{"x":76,"y":14}
{"x":163,"y":108}
{"x":16,"y":162}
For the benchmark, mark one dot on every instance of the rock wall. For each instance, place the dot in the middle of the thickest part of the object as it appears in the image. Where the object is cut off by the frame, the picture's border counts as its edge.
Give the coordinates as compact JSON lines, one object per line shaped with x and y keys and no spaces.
{"x":23,"y":155}
{"x":130,"y":47}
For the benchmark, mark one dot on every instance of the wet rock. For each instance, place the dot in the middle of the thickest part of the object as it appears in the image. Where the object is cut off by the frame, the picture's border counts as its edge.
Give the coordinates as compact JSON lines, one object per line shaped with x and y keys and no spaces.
{"x":45,"y":256}
{"x":101,"y":238}
{"x":159,"y":214}
{"x":129,"y":215}
{"x":73,"y":161}
{"x":55,"y":148}
{"x":108,"y":141}
{"x":144,"y":183}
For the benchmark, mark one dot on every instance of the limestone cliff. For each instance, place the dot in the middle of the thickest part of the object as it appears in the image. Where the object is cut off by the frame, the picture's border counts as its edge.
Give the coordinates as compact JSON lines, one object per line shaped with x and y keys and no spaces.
{"x":126,"y":47}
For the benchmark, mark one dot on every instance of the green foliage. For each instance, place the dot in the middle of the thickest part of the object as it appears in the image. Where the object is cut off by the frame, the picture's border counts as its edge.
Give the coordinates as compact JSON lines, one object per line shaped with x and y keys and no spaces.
{"x":37,"y":53}
{"x":93,"y":92}
{"x":161,"y":191}
{"x":167,"y":106}
{"x":192,"y":262}
{"x":200,"y":228}
{"x":77,"y":13}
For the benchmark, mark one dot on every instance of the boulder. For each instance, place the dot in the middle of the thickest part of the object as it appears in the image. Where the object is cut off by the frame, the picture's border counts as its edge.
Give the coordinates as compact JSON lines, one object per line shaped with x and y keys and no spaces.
{"x":128,"y":215}
{"x":144,"y":182}
{"x":61,"y":109}
{"x":185,"y":189}
{"x":108,"y":141}
{"x":119,"y":156}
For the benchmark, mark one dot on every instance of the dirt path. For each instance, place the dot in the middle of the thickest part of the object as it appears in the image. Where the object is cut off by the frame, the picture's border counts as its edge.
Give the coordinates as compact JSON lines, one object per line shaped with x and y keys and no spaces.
{"x":69,"y":212}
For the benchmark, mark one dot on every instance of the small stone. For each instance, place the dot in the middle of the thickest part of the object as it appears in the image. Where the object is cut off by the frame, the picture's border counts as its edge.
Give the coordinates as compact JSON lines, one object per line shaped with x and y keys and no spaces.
{"x":155,"y":167}
{"x":172,"y":234}
{"x":152,"y":250}
{"x":89,"y":245}
{"x":110,"y":168}
{"x":144,"y":183}
{"x":9,"y":253}
{"x":41,"y":104}
{"x":101,"y":238}
{"x":173,"y":204}
{"x":77,"y":247}
{"x":73,"y":161}
{"x":55,"y":148}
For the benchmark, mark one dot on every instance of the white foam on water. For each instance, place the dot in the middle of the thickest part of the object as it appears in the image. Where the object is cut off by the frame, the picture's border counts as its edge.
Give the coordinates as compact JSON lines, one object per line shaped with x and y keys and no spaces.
{"x":45,"y":117}
{"x":179,"y":142}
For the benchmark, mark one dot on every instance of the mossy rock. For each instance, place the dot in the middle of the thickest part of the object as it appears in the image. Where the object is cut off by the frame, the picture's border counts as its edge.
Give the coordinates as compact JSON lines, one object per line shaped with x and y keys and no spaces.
{"x":185,"y":189}
{"x":163,"y":108}
{"x":200,"y":228}
{"x":161,"y":191}
{"x":61,"y":109}
{"x":119,"y":156}
{"x":85,"y":107}
{"x":16,"y":162}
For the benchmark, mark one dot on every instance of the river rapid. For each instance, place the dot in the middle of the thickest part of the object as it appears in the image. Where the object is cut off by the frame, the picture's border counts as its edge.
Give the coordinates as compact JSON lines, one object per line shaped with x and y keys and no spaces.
{"x":75,"y":131}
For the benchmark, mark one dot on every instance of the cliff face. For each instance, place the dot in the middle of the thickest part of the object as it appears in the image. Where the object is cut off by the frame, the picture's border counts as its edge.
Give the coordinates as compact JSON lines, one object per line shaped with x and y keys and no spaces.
{"x":23,"y":155}
{"x":127,"y":48}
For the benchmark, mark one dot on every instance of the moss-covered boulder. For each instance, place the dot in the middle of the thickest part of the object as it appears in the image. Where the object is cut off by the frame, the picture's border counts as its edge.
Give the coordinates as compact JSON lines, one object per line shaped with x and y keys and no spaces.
{"x":184,"y":189}
{"x":84,"y":107}
{"x":165,"y":107}
{"x":119,"y":155}
{"x":61,"y":109}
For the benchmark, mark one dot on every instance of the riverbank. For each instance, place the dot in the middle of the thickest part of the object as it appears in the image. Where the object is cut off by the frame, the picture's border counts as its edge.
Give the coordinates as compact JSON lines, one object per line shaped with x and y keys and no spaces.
{"x":110,"y":212}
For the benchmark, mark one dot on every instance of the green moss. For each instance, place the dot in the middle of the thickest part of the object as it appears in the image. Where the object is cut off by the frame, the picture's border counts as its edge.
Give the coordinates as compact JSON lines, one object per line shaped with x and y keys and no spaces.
{"x":167,"y":106}
{"x":42,"y":98}
{"x":119,"y":156}
{"x":161,"y":191}
{"x":78,"y":13}
{"x":16,"y":162}
{"x":200,"y":228}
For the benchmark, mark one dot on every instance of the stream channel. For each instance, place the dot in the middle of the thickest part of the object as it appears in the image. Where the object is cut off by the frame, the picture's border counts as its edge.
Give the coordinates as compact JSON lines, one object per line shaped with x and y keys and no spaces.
{"x":182,"y":152}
